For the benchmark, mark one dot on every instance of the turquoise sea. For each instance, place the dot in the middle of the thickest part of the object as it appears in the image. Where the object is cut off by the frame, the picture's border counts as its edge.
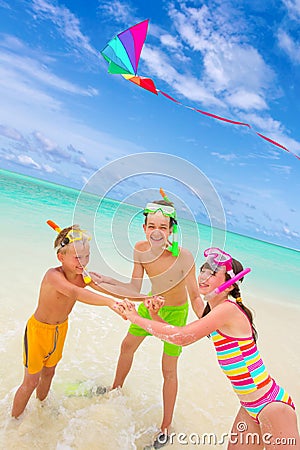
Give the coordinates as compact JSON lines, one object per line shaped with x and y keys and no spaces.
{"x":72,"y":417}
{"x":26,"y":204}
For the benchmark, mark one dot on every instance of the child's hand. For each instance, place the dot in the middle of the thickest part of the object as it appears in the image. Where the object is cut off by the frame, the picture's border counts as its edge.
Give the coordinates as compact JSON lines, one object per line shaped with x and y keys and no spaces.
{"x":117,"y":308}
{"x":126,"y":309}
{"x":154,"y":304}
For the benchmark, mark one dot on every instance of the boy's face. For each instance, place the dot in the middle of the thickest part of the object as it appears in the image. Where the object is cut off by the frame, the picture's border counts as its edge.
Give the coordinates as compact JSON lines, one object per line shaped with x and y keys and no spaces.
{"x":76,"y":257}
{"x":157,"y":229}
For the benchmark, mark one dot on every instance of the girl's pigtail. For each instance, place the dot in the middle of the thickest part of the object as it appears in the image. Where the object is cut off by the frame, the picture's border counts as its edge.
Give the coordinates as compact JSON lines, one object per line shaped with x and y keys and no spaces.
{"x":236,"y":294}
{"x":207,"y":309}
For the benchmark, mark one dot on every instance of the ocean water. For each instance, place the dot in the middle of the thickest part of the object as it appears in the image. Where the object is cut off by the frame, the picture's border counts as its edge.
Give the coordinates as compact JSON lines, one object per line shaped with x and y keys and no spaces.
{"x":26,"y":204}
{"x":128,"y":418}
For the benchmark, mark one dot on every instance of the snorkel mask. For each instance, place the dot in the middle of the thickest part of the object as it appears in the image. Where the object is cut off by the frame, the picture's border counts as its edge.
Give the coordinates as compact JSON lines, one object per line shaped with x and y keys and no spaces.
{"x":217,"y":258}
{"x":167,"y":211}
{"x":72,"y":236}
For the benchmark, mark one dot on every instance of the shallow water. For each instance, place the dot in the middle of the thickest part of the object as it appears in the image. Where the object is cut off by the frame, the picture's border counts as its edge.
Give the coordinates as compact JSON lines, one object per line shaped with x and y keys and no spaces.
{"x":128,"y":418}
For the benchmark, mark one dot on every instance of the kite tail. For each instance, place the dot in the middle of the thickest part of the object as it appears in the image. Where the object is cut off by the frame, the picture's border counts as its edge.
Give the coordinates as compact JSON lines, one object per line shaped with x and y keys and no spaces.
{"x":234,"y":122}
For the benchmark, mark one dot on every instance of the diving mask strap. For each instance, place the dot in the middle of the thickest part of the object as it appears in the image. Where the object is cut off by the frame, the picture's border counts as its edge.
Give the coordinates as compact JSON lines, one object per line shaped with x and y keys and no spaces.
{"x":231,"y":273}
{"x":174,"y":249}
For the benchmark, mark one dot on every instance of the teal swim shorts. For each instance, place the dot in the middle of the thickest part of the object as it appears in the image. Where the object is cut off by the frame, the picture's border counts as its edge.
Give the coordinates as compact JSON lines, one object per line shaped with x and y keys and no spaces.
{"x":174,"y":315}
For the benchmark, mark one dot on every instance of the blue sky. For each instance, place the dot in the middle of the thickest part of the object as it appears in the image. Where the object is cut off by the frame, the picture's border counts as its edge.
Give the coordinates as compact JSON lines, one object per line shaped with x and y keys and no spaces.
{"x":63,"y":116}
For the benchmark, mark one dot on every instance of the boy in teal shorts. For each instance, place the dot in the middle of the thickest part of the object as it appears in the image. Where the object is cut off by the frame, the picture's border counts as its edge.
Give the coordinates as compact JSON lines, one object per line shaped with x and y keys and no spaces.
{"x":172,"y":275}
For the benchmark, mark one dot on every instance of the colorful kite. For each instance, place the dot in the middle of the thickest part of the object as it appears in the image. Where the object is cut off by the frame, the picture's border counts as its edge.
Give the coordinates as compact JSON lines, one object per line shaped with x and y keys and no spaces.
{"x":123,"y":53}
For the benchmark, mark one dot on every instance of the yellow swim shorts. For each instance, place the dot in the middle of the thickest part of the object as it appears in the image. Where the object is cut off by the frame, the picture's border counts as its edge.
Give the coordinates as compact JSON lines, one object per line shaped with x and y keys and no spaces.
{"x":43,"y":344}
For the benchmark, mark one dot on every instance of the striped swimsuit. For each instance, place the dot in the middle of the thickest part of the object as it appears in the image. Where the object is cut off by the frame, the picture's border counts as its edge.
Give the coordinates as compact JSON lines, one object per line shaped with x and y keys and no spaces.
{"x":241,"y":362}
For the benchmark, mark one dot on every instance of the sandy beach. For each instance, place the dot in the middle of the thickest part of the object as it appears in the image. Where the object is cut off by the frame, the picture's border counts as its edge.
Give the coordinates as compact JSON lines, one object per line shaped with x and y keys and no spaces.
{"x":127,"y":419}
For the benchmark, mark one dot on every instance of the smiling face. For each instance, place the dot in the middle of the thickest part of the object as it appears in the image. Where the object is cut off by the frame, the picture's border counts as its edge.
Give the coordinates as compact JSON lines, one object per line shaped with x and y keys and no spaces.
{"x":209,"y":279}
{"x":157,"y":229}
{"x":75,"y":258}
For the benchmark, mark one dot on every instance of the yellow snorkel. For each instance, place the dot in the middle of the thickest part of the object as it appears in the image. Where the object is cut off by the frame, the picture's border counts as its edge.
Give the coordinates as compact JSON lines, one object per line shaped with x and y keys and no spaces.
{"x":174,"y":249}
{"x":85,"y":275}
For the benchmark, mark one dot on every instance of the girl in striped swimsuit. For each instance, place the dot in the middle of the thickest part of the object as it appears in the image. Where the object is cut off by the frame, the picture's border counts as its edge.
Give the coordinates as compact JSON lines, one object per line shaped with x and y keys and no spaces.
{"x":266,"y":408}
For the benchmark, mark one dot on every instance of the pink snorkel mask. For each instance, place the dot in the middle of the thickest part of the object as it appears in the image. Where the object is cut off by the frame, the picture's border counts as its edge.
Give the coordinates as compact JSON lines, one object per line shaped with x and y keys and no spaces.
{"x":217,"y":258}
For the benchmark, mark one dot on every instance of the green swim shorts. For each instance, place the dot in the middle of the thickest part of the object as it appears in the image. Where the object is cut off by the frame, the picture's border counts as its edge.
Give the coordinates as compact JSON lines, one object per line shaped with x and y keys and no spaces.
{"x":174,"y":315}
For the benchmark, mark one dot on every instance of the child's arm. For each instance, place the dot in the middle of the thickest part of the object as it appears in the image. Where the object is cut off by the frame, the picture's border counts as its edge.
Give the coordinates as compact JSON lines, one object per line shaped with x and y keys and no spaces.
{"x":99,"y":278}
{"x":180,"y":335}
{"x":123,"y":290}
{"x":193,"y":288}
{"x":76,"y":293}
{"x":117,"y":289}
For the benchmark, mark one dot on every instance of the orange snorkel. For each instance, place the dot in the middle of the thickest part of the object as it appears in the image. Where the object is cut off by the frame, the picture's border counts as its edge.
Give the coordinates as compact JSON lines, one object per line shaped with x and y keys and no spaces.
{"x":54,"y":226}
{"x":85,"y":275}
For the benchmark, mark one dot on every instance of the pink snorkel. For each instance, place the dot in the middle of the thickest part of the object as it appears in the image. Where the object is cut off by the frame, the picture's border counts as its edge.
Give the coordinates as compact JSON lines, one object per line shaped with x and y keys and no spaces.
{"x":217,"y":258}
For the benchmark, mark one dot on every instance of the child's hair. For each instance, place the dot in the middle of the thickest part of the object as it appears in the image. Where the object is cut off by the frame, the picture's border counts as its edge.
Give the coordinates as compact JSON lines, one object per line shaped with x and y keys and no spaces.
{"x":235,"y":293}
{"x":164,"y":203}
{"x":62,"y":235}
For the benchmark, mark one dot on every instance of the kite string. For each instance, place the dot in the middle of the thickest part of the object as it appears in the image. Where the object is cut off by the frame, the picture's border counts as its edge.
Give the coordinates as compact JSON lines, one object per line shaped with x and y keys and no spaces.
{"x":234,"y":122}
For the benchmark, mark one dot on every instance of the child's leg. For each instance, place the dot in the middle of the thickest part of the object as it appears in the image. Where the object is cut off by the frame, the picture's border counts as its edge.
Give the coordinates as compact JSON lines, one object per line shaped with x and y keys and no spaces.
{"x":245,"y":433}
{"x":128,"y":347}
{"x":24,"y":392}
{"x":43,"y":387}
{"x":170,"y":387}
{"x":280,"y":421}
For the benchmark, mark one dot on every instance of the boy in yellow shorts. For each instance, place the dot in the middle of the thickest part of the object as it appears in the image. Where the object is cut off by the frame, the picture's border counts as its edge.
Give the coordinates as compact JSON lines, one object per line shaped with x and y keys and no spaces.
{"x":46,"y":330}
{"x":172,"y":275}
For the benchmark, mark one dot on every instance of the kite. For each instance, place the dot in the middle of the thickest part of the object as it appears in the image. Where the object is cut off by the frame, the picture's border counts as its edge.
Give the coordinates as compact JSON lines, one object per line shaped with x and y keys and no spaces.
{"x":123,"y":54}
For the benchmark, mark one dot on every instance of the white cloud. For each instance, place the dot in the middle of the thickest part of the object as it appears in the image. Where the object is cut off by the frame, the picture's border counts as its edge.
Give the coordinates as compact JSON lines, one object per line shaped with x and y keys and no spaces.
{"x":48,"y":168}
{"x":51,"y":148}
{"x":158,"y":64}
{"x":30,"y":71}
{"x":170,"y":41}
{"x":270,"y":206}
{"x":28,"y":161}
{"x":13,"y":86}
{"x":293,"y":7}
{"x":187,"y":85}
{"x":289,"y":232}
{"x":229,"y":63}
{"x":282,"y":170}
{"x":289,"y":46}
{"x":244,"y":99}
{"x":265,"y":123}
{"x":7,"y":156}
{"x":115,"y":9}
{"x":47,"y":144}
{"x":10,"y":133}
{"x":66,"y":22}
{"x":230,"y":66}
{"x":273,"y":129}
{"x":4,"y":4}
{"x":225,"y":157}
